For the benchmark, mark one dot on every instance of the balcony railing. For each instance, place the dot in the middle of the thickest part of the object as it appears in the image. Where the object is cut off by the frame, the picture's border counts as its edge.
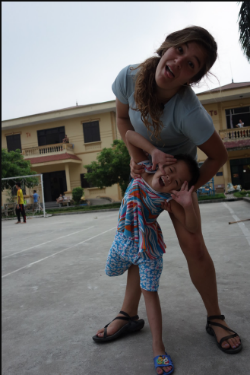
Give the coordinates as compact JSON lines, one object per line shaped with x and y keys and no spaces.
{"x":235,"y":134}
{"x":58,"y":148}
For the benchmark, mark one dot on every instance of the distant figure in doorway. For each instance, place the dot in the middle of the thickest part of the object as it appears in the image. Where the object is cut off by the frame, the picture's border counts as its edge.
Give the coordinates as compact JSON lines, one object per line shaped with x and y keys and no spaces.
{"x":240,"y":124}
{"x":20,"y":204}
{"x":66,"y":139}
{"x":35,"y":200}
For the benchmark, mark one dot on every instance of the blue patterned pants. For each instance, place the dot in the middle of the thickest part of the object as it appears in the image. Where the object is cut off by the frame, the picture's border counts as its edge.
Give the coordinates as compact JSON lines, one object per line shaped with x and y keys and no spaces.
{"x":123,"y":254}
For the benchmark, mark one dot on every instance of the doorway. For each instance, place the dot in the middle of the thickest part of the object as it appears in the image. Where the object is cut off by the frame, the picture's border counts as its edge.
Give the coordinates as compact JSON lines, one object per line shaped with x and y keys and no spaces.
{"x":54,"y":184}
{"x":240,"y":172}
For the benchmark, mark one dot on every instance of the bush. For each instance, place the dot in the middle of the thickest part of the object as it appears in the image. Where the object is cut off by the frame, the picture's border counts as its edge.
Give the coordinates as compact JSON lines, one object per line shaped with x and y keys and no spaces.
{"x":77,"y":194}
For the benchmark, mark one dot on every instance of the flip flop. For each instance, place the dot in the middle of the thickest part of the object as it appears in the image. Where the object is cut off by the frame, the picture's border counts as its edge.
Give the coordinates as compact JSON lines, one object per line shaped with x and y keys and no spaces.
{"x":212,"y":333}
{"x":163,"y":361}
{"x":133,"y":325}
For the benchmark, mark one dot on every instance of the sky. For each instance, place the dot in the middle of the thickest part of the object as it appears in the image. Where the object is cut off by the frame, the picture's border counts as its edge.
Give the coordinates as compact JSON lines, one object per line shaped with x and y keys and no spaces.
{"x":55,"y":54}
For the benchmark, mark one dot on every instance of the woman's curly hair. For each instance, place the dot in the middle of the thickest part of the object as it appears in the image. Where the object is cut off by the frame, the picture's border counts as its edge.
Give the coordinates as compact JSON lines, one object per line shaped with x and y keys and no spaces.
{"x":145,"y":85}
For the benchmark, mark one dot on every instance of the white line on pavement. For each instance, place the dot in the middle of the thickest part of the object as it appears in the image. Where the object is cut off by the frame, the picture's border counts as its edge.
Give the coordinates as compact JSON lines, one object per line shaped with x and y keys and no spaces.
{"x":44,"y":243}
{"x":241,"y":225}
{"x":40,"y":260}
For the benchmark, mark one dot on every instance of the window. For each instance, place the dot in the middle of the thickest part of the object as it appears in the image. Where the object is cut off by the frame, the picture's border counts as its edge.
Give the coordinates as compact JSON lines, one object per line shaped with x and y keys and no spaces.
{"x":84,"y":182}
{"x":233,"y":116}
{"x":91,"y":131}
{"x":13,"y":142}
{"x":50,"y":136}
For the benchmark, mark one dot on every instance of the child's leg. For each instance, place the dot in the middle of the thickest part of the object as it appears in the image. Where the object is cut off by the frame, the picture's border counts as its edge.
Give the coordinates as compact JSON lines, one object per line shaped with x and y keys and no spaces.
{"x":153,"y":308}
{"x":130,"y":303}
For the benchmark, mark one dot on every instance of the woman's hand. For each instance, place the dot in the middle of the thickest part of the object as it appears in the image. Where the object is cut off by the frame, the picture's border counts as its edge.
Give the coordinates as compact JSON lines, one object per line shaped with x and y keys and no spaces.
{"x":183,"y":196}
{"x":160,"y":158}
{"x":135,"y":169}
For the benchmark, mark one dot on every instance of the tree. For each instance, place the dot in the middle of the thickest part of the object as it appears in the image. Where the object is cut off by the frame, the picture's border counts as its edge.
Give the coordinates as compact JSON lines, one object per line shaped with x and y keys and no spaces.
{"x":244,"y":27}
{"x":112,"y":167}
{"x":14,"y":165}
{"x":77,"y":194}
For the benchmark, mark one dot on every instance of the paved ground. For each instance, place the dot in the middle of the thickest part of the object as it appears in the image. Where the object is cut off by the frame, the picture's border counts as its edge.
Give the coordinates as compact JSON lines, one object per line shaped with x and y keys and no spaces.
{"x":55,"y":296}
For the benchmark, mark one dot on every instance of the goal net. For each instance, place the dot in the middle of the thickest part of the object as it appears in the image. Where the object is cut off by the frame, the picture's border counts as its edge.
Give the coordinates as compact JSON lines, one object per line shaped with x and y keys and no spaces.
{"x":30,"y":185}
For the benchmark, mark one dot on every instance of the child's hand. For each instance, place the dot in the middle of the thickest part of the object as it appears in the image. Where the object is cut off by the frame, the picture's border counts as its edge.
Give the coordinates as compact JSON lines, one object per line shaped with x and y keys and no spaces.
{"x":160,"y":158}
{"x":135,"y":169}
{"x":166,"y":206}
{"x":183,"y":196}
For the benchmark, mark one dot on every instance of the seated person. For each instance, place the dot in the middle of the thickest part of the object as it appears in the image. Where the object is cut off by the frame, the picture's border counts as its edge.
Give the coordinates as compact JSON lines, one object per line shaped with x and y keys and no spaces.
{"x":60,"y":199}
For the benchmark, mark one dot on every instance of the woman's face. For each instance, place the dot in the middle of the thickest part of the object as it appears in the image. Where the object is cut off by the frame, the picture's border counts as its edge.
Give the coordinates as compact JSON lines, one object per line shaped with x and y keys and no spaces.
{"x":178,"y":66}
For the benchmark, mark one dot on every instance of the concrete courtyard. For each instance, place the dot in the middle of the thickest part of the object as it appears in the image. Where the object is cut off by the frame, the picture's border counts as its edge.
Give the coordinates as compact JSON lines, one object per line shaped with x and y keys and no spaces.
{"x":55,"y":295}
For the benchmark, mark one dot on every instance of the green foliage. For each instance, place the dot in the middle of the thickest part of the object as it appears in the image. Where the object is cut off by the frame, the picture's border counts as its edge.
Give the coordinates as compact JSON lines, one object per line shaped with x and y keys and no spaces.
{"x":242,"y":193}
{"x":77,"y":194}
{"x":210,"y":197}
{"x":13,"y":165}
{"x":83,"y":208}
{"x":112,"y":167}
{"x":244,"y":27}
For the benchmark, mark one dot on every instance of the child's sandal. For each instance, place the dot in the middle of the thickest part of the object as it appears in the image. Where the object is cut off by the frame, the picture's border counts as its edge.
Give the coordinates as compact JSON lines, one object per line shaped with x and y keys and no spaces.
{"x":164,"y":361}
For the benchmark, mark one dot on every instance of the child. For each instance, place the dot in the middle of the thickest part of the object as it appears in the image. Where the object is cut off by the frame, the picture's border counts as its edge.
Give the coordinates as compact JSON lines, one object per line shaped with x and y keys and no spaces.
{"x":139,"y":240}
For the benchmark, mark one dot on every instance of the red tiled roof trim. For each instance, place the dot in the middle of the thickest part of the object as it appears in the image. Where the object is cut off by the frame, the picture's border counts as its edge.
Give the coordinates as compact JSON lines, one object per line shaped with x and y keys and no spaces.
{"x":240,"y":143}
{"x":46,"y":159}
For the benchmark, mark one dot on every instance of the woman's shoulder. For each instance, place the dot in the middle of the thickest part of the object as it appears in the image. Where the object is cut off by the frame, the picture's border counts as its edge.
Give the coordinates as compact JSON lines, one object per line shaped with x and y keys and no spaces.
{"x":187,"y":100}
{"x":124,"y":84}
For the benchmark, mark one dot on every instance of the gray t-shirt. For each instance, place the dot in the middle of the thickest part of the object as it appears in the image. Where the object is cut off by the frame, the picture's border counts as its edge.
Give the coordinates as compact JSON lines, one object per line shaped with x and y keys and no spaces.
{"x":186,"y":124}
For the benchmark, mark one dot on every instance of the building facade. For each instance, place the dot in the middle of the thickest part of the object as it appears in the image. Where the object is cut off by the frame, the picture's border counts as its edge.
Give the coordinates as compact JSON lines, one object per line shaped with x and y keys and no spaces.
{"x":90,"y":128}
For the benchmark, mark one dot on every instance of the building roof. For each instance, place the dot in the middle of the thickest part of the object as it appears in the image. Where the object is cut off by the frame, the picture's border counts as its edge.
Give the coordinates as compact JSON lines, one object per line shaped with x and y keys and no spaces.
{"x":230,"y":86}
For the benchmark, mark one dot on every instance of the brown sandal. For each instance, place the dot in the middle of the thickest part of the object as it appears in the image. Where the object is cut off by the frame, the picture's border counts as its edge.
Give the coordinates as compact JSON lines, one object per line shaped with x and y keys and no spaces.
{"x":134,"y":324}
{"x":212,"y":333}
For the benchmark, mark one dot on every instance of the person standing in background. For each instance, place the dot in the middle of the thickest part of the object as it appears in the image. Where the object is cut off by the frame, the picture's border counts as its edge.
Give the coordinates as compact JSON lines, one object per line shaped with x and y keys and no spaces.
{"x":20,"y":204}
{"x":240,"y":124}
{"x":35,"y":200}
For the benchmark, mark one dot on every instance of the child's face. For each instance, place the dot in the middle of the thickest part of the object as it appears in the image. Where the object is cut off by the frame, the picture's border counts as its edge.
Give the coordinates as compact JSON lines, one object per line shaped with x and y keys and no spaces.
{"x":173,"y":178}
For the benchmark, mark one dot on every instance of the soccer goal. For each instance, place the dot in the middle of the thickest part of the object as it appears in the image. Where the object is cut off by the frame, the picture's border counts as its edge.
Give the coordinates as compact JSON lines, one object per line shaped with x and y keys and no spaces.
{"x":29,"y":184}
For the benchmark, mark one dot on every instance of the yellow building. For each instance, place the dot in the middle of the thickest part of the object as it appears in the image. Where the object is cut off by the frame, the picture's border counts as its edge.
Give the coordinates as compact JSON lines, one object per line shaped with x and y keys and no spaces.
{"x":90,"y":128}
{"x":227,"y":105}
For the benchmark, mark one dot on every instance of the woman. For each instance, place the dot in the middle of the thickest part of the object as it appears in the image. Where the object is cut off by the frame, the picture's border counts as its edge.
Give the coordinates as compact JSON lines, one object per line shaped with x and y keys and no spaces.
{"x":155,"y":99}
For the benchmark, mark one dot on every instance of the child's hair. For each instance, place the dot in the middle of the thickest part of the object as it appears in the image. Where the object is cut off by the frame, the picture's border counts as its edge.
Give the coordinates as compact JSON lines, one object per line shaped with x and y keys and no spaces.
{"x":192,"y":166}
{"x":34,"y":191}
{"x":145,"y":86}
{"x":18,"y":184}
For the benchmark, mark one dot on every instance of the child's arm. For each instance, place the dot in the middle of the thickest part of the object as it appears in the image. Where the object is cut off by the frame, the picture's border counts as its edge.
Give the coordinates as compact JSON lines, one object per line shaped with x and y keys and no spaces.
{"x":136,"y":143}
{"x":183,"y":209}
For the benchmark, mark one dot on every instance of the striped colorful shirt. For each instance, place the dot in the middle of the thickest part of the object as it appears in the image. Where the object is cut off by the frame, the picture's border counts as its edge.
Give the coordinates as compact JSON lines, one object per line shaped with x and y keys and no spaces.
{"x":138,"y":214}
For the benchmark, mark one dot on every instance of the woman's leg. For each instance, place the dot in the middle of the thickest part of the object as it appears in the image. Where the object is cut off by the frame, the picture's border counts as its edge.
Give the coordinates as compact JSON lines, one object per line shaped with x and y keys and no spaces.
{"x":153,"y":308}
{"x":130,"y":302}
{"x":202,"y":272}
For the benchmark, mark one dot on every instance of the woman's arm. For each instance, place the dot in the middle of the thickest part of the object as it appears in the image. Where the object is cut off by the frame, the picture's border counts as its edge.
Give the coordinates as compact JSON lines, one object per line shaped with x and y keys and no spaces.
{"x":123,"y":125}
{"x":216,"y":158}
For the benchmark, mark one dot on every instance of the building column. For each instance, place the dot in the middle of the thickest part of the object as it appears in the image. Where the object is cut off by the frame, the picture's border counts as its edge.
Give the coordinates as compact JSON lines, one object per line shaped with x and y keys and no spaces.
{"x":67,"y":177}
